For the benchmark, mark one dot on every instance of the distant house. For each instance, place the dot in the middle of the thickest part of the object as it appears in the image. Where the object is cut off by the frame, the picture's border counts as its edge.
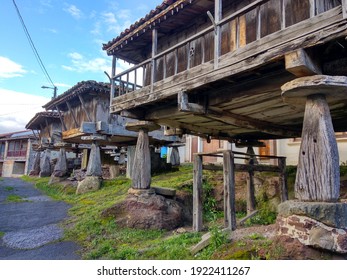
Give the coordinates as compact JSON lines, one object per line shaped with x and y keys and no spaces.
{"x":16,"y":153}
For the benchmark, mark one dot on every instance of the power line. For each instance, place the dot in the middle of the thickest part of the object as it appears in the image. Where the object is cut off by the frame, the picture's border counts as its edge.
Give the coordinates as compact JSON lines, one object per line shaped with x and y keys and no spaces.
{"x":37,"y":56}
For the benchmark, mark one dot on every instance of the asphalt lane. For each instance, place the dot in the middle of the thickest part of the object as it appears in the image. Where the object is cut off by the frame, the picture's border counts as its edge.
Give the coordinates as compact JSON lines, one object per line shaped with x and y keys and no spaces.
{"x":30,"y":229}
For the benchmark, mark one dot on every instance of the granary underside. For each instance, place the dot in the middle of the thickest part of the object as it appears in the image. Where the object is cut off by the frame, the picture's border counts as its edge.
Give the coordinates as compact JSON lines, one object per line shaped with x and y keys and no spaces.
{"x":239,"y":96}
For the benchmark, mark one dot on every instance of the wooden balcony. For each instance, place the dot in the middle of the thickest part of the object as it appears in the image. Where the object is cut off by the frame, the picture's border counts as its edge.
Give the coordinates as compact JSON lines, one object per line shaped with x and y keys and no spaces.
{"x":224,"y":81}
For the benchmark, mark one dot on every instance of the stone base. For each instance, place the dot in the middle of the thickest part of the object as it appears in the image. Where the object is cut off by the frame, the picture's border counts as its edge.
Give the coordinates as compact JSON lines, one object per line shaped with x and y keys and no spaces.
{"x":318,"y":224}
{"x":89,"y":184}
{"x":55,"y":179}
{"x":143,"y":209}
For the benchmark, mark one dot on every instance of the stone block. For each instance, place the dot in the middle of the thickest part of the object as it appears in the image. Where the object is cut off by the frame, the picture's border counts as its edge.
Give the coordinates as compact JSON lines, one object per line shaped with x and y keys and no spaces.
{"x":89,"y":184}
{"x":313,"y":233}
{"x":330,"y":214}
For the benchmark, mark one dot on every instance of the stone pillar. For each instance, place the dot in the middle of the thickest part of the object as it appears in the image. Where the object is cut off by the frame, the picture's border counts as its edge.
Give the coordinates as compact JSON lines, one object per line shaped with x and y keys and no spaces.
{"x":60,"y":168}
{"x":45,"y":164}
{"x":93,"y":177}
{"x":36,"y":166}
{"x":141,"y":174}
{"x":94,"y":162}
{"x":316,"y":218}
{"x":318,"y":174}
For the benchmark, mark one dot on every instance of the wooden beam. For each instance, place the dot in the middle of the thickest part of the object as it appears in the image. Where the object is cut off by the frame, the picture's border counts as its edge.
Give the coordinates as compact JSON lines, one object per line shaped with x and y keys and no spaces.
{"x":283,"y":179}
{"x":185,"y":106}
{"x":197,"y":193}
{"x":112,"y":81}
{"x":47,"y":125}
{"x":61,"y":118}
{"x":301,"y":64}
{"x":217,"y":36}
{"x":72,"y":113}
{"x":247,"y":122}
{"x":250,"y":183}
{"x":154,"y":52}
{"x":84,"y":107}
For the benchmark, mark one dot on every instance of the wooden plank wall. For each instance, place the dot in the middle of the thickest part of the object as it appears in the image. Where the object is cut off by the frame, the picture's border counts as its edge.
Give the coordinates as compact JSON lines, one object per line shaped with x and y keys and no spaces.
{"x":257,"y":23}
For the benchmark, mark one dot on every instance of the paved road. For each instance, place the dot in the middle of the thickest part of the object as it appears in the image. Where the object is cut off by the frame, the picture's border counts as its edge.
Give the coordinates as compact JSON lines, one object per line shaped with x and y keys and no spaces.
{"x":30,"y":230}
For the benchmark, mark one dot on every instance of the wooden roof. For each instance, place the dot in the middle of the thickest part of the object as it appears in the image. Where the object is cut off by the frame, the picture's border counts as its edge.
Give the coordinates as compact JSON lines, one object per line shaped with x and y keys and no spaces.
{"x":83,"y":87}
{"x":134,"y":43}
{"x":40,"y":118}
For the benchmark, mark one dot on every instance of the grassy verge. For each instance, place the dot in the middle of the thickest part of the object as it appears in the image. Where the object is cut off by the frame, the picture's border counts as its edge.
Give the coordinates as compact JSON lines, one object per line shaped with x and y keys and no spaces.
{"x":101,"y":238}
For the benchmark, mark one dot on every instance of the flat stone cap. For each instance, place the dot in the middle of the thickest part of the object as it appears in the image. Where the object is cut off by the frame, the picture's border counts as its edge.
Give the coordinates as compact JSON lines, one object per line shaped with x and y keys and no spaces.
{"x":136,"y":126}
{"x":333,"y":87}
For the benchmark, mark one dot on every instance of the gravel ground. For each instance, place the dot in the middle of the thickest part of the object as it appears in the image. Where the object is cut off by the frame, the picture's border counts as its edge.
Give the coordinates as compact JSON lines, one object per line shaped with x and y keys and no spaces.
{"x":30,"y":229}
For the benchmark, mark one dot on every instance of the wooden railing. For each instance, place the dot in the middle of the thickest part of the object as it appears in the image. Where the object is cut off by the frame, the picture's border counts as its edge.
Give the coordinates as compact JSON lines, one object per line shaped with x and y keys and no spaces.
{"x":254,"y":21}
{"x":20,"y":153}
{"x":229,"y":168}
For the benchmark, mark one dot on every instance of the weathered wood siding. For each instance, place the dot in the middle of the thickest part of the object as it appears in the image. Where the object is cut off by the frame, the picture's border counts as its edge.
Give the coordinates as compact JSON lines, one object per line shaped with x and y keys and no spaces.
{"x":260,"y":21}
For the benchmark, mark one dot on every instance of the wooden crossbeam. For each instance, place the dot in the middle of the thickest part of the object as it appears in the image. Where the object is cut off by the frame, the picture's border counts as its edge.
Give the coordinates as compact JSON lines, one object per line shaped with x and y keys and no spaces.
{"x":301,"y":64}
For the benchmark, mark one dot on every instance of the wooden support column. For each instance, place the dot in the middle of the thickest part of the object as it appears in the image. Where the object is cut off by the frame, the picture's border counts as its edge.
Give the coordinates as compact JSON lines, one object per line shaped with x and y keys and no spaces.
{"x":141,"y":174}
{"x":84,"y":162}
{"x":113,"y":74}
{"x":60,"y":117}
{"x":229,"y":189}
{"x":250,"y":182}
{"x":283,"y":179}
{"x":197,"y":193}
{"x":154,"y":53}
{"x":72,"y":114}
{"x":84,"y":107}
{"x":318,"y":175}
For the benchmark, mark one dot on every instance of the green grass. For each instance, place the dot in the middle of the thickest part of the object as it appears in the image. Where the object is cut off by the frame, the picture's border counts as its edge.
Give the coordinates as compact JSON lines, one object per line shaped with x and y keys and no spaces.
{"x":9,"y":189}
{"x":102,"y":238}
{"x":2,"y":234}
{"x":14,"y":198}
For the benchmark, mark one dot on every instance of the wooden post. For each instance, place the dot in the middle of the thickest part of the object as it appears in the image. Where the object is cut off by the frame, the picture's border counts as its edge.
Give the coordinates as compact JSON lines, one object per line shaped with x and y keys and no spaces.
{"x":154,"y":52}
{"x":113,"y":74}
{"x":283,"y":179}
{"x":72,"y":113}
{"x":217,"y":36}
{"x":60,"y":117}
{"x":344,"y":9}
{"x":197,"y":193}
{"x":84,"y":107}
{"x":229,"y":186}
{"x":318,"y":174}
{"x":250,"y":183}
{"x":84,"y":162}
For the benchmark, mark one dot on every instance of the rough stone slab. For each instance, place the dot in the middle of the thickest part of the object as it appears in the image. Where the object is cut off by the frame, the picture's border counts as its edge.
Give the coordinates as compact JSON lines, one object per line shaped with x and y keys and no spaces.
{"x":89,"y":184}
{"x":313,"y":233}
{"x":333,"y":87}
{"x":330,"y":214}
{"x":136,"y":126}
{"x":165,"y":191}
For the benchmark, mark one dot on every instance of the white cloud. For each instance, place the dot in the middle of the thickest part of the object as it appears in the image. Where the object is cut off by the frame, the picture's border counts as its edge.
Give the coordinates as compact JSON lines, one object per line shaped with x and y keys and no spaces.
{"x":62,"y":85}
{"x":17,"y":109}
{"x":74,"y":11}
{"x":10,"y":69}
{"x":81,"y":64}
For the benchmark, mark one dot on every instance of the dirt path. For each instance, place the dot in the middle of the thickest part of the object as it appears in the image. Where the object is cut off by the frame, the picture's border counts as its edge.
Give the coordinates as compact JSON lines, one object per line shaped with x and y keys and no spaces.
{"x":29,"y":224}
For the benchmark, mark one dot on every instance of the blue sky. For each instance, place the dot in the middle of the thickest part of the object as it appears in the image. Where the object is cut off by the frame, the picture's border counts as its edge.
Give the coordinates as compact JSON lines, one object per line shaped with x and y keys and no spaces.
{"x":68,"y":36}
